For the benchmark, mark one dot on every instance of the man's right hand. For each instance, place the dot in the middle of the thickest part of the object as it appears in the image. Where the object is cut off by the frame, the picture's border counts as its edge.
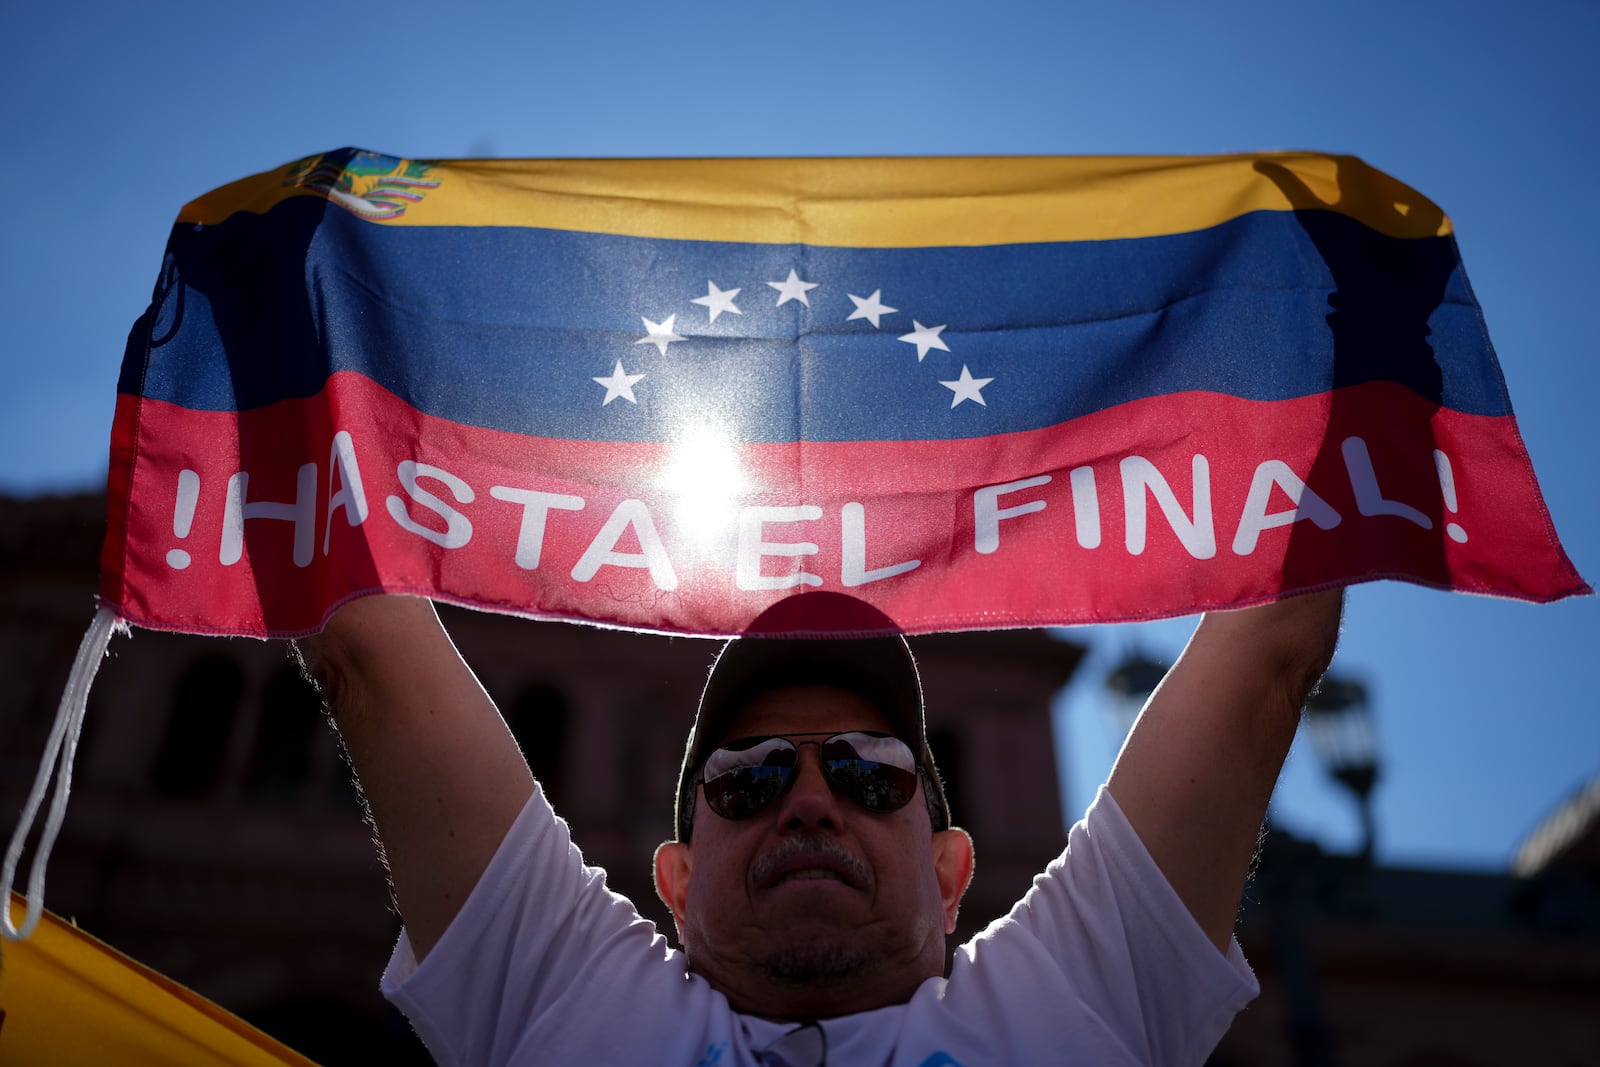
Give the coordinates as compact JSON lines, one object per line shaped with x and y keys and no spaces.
{"x":442,"y":775}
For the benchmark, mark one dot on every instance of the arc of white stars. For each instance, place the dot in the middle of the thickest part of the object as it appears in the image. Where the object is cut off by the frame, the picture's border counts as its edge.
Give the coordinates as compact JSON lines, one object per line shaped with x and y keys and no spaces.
{"x":620,"y":383}
{"x":717,"y":300}
{"x":792,"y":288}
{"x":925,"y":337}
{"x":871,"y":308}
{"x":659,"y":334}
{"x":967,"y":387}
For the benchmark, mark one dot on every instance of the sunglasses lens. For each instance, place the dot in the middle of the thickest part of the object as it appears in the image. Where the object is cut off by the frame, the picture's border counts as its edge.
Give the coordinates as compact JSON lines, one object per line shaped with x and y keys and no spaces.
{"x":879,"y":773}
{"x":740,"y":781}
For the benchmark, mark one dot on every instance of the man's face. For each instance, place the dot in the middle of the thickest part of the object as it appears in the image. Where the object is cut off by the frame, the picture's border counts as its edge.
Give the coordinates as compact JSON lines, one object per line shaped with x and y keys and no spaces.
{"x":813,"y":895}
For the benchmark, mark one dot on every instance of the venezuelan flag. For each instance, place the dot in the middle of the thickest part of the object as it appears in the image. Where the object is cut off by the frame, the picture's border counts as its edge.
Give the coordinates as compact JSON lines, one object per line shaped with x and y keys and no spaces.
{"x":663,"y":393}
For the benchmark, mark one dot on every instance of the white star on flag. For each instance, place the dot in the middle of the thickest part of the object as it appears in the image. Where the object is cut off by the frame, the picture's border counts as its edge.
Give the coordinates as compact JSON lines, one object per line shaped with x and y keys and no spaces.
{"x":966,"y":387}
{"x":717,"y":300}
{"x":925,"y":337}
{"x":659,"y":334}
{"x":870,"y":308}
{"x":619,"y":384}
{"x":792,"y":288}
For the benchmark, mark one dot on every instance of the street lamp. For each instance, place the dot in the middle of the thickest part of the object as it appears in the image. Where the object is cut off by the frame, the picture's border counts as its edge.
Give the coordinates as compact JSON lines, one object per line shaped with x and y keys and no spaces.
{"x":1343,"y":731}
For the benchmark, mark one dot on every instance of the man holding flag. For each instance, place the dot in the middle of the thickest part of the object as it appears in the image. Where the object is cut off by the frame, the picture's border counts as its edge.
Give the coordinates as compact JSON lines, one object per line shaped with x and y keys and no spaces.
{"x":813,"y":886}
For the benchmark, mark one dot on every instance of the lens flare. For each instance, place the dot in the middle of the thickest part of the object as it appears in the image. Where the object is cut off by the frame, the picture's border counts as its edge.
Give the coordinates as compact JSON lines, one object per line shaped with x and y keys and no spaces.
{"x":704,"y":472}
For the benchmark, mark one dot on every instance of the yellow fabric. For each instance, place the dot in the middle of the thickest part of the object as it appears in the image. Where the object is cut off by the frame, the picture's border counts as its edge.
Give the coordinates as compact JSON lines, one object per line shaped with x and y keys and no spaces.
{"x":874,"y":203}
{"x":70,"y":999}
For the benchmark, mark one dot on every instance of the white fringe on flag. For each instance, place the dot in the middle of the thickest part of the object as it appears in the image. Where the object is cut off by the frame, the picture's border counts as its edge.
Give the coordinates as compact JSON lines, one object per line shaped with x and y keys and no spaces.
{"x":59,"y":752}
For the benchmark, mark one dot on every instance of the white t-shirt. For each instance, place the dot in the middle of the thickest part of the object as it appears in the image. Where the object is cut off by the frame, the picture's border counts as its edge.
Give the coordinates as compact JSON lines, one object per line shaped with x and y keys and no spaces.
{"x":1098,"y":964}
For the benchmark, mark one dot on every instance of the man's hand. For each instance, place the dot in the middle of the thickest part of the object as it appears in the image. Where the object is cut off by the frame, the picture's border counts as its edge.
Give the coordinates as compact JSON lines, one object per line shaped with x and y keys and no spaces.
{"x":442,"y":775}
{"x":1198,"y":768}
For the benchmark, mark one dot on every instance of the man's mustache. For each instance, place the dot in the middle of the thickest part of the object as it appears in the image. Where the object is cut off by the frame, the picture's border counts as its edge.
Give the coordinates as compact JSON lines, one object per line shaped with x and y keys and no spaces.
{"x":828,"y":851}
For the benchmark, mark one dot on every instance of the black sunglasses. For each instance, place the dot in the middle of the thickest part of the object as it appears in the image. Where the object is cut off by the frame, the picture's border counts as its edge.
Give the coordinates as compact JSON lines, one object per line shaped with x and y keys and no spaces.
{"x":877,"y":771}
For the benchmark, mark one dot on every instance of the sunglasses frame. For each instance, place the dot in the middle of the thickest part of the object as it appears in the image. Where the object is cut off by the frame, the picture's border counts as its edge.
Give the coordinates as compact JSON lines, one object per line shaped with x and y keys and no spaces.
{"x":699,"y":781}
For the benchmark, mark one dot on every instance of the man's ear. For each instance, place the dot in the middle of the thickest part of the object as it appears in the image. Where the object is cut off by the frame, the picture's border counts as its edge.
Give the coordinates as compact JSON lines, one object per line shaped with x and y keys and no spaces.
{"x":674,"y":860}
{"x":952,"y":862}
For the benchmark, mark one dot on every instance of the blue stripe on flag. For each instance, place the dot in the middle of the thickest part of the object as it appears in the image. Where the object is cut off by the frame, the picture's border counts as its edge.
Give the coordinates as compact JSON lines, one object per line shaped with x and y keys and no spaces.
{"x":508,"y":327}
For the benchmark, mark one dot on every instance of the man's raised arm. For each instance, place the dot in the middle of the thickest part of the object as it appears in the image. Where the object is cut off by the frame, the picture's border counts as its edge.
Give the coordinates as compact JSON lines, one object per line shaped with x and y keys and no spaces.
{"x":1198,"y":769}
{"x":442,"y":775}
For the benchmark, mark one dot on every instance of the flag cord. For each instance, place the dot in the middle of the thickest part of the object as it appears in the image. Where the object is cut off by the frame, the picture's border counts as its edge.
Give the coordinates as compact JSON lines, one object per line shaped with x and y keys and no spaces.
{"x":59,"y":751}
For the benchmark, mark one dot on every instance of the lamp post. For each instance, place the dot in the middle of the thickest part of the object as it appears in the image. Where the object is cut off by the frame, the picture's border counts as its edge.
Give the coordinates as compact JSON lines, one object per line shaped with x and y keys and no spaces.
{"x":1339,"y":716}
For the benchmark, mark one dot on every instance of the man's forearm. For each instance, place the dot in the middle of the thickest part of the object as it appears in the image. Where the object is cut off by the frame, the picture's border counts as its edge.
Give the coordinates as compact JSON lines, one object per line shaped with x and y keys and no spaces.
{"x":442,"y":775}
{"x":1198,"y":770}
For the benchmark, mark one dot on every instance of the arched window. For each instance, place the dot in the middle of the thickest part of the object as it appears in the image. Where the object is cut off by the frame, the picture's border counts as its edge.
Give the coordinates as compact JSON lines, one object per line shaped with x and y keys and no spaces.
{"x":289,"y":728}
{"x":538,"y":721}
{"x":205,"y":703}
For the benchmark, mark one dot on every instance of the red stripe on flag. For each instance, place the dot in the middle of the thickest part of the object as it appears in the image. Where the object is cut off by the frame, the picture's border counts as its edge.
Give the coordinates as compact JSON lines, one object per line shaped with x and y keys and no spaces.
{"x":1096,"y":520}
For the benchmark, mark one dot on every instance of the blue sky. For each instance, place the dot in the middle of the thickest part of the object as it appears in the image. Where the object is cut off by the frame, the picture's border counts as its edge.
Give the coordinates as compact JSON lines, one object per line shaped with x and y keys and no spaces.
{"x":117,"y":114}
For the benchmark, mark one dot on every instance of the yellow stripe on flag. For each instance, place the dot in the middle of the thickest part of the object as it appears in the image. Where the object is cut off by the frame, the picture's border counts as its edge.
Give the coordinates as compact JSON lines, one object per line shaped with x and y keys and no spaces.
{"x":879,"y":203}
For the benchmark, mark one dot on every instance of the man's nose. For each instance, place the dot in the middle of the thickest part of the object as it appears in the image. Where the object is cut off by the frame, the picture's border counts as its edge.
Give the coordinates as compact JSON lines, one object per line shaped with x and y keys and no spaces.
{"x":809,"y":802}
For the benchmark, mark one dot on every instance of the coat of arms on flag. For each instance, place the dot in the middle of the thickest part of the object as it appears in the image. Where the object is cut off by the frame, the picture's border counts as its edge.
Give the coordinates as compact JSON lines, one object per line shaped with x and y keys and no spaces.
{"x":370,"y":185}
